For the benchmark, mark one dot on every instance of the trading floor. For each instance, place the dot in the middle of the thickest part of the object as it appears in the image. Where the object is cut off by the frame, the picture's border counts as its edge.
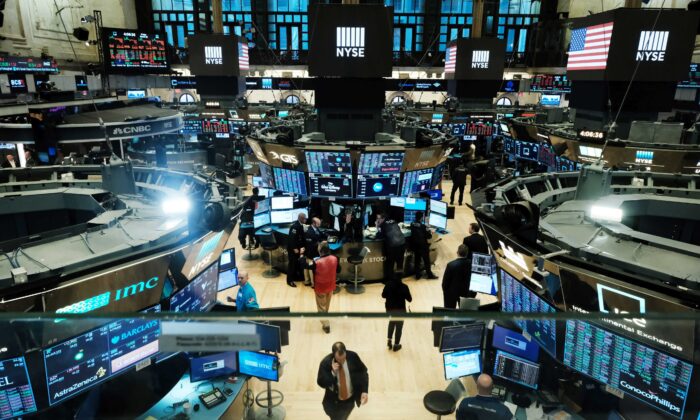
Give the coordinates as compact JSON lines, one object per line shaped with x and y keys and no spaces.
{"x":398,"y":380}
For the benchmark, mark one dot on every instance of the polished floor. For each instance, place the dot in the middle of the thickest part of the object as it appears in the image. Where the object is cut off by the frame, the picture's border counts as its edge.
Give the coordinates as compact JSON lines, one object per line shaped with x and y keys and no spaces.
{"x":398,"y":380}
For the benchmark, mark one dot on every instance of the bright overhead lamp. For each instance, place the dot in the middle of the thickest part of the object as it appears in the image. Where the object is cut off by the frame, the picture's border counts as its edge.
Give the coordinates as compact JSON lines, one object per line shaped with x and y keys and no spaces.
{"x":608,"y":214}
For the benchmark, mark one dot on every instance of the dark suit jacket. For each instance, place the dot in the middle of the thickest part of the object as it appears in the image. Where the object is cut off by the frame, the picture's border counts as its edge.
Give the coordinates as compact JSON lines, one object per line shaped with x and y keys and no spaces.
{"x":359,"y":378}
{"x":455,"y":281}
{"x":296,"y":239}
{"x":312,"y":241}
{"x":476,"y":243}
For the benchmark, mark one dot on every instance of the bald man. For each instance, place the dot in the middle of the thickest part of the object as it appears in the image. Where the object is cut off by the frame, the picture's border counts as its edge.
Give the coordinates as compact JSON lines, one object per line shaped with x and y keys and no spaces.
{"x":483,"y":406}
{"x":314,"y":237}
{"x":246,"y":300}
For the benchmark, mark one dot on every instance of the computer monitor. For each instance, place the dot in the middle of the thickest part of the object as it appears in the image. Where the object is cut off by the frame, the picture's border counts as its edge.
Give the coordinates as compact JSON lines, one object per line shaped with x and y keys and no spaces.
{"x":461,"y":337}
{"x":330,"y":185}
{"x":416,"y":204}
{"x":329,"y":162}
{"x":377,"y":186}
{"x":259,"y":365}
{"x":462,"y":363}
{"x":409,"y":216}
{"x":270,"y":336}
{"x":484,"y":278}
{"x":438,"y":221}
{"x":265,"y":192}
{"x":416,"y":181}
{"x":550,"y":100}
{"x":291,"y":181}
{"x":262,"y":206}
{"x":380,"y":163}
{"x":516,"y":369}
{"x":397,"y":202}
{"x":16,"y":394}
{"x":438,"y":207}
{"x":228,"y":279}
{"x":258,"y":182}
{"x":283,"y":114}
{"x":514,"y":343}
{"x":200,"y":294}
{"x":227,"y":260}
{"x":213,"y":366}
{"x":260,"y":220}
{"x":281,"y":203}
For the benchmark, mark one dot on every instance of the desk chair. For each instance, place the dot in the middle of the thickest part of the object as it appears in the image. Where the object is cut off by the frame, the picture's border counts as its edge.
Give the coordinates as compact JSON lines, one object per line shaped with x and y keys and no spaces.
{"x":443,"y":403}
{"x":269,"y":244}
{"x":250,"y":256}
{"x":271,"y":401}
{"x":356,"y":260}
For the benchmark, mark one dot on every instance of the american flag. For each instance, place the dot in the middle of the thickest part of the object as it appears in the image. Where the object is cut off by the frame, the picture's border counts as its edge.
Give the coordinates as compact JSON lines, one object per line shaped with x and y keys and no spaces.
{"x":243,"y":60}
{"x":451,"y":59}
{"x":589,"y":47}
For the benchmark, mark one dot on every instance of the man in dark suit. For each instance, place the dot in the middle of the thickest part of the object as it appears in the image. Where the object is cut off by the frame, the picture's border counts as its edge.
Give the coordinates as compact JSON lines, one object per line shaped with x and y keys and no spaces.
{"x":459,"y":181}
{"x":475,"y":242}
{"x":295,"y":249}
{"x":394,"y":245}
{"x":420,"y":245}
{"x":247,"y":216}
{"x":455,"y":281}
{"x":346,"y":381}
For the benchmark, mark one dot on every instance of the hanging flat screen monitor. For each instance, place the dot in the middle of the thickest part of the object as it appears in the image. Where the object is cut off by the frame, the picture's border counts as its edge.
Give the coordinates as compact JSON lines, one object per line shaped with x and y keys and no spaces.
{"x":288,"y":180}
{"x":228,"y":279}
{"x":484,"y":278}
{"x":330,"y":185}
{"x":416,"y":181}
{"x":462,"y":363}
{"x":213,"y":366}
{"x":329,"y":162}
{"x":227,"y":260}
{"x":516,"y":369}
{"x":461,"y":337}
{"x":514,"y":343}
{"x":128,"y":51}
{"x":16,"y":395}
{"x":380,"y":163}
{"x":200,"y":294}
{"x":375,"y":186}
{"x":259,"y":365}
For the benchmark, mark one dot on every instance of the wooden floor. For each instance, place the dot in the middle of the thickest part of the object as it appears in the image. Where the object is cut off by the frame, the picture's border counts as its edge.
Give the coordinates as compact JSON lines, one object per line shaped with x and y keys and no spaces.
{"x":398,"y":381}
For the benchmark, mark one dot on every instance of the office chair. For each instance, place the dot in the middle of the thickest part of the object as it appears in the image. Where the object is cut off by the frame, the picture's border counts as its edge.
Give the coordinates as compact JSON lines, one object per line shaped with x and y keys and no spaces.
{"x":269,"y":244}
{"x":443,"y":403}
{"x":356,"y":260}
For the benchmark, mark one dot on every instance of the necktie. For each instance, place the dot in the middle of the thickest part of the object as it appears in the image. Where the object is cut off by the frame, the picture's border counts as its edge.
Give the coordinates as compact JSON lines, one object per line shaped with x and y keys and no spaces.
{"x":343,"y":384}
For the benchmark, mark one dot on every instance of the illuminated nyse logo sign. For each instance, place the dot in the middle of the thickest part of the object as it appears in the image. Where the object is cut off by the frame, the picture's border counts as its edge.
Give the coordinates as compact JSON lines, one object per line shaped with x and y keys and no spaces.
{"x":480,"y":59}
{"x":349,"y":42}
{"x":104,"y":299}
{"x":650,"y":396}
{"x":212,"y":55}
{"x":138,"y":129}
{"x":286,"y":158}
{"x":652,"y":46}
{"x":624,"y":303}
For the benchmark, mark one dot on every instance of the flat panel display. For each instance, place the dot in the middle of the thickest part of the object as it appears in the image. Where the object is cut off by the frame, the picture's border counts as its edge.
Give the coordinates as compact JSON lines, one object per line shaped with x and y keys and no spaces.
{"x":227,"y":259}
{"x":438,"y":221}
{"x":516,"y":369}
{"x":259,"y":365}
{"x":270,"y":336}
{"x":200,"y":294}
{"x":519,"y":299}
{"x":380,"y":163}
{"x":288,"y":180}
{"x":16,"y":395}
{"x":380,"y":185}
{"x":81,"y":84}
{"x":526,"y":150}
{"x":228,"y":279}
{"x":416,"y":181}
{"x":286,"y":216}
{"x":281,"y":202}
{"x":128,"y":51}
{"x":550,"y":100}
{"x":213,"y":54}
{"x":550,"y":83}
{"x":438,"y":207}
{"x":213,"y":366}
{"x":416,"y":204}
{"x":130,"y":341}
{"x":484,"y":278}
{"x":648,"y":375}
{"x":397,"y":202}
{"x":215,"y":125}
{"x":266,"y":175}
{"x":12,"y":64}
{"x":262,"y":219}
{"x":330,"y":185}
{"x":514,"y":343}
{"x":462,"y":363}
{"x":329,"y":162}
{"x":18,"y":83}
{"x":475,"y":59}
{"x":461,"y":337}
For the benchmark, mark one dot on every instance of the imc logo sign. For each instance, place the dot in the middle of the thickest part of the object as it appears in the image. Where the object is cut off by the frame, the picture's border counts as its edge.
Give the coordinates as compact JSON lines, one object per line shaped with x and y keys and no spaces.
{"x":652,"y":46}
{"x":350,"y":42}
{"x":105,"y":299}
{"x":212,"y":55}
{"x":480,"y":59}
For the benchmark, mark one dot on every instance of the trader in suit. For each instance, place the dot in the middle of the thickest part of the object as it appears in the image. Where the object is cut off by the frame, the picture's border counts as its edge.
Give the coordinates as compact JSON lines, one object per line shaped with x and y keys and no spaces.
{"x":295,"y":249}
{"x":459,"y":181}
{"x":313,"y":237}
{"x":420,"y":236}
{"x":455,"y":281}
{"x":10,"y":162}
{"x":247,"y":216}
{"x":394,"y":245}
{"x":483,"y":406}
{"x":475,"y":242}
{"x":346,"y":381}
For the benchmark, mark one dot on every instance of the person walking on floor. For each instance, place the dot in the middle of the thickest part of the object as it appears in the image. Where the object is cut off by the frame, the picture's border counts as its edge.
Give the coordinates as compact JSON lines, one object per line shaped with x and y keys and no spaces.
{"x":346,"y":381}
{"x":396,"y":294}
{"x":326,"y":269}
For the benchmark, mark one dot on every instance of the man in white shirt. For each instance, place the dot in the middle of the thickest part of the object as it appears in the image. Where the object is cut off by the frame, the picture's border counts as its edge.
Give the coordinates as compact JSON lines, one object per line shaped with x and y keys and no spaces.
{"x":10,"y":162}
{"x":346,"y":381}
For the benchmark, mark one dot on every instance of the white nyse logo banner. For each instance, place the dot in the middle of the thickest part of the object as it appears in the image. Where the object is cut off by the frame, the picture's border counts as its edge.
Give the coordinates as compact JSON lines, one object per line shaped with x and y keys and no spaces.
{"x":212,"y":55}
{"x":349,"y":42}
{"x":480,"y":59}
{"x":652,"y":46}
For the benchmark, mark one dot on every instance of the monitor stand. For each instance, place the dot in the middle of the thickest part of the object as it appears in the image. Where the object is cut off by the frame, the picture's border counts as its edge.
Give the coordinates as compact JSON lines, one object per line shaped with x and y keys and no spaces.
{"x":521,"y":400}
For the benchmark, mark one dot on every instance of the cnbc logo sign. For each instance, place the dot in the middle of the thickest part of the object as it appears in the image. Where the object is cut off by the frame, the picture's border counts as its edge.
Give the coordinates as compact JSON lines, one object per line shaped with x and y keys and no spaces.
{"x":350,"y":42}
{"x":106,"y":298}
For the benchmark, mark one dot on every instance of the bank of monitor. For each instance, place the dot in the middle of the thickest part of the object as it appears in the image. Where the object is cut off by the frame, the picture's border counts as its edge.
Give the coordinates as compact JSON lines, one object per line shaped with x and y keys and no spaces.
{"x":380,"y":163}
{"x":417,"y":181}
{"x":330,"y":184}
{"x":378,"y":186}
{"x":286,"y":216}
{"x":289,"y":180}
{"x":438,"y":207}
{"x":438,"y":221}
{"x":329,"y":162}
{"x":281,"y":203}
{"x":515,"y":343}
{"x":462,"y":363}
{"x":200,"y":294}
{"x":484,"y":278}
{"x":260,"y":365}
{"x":516,"y":369}
{"x":461,"y":337}
{"x":213,"y":366}
{"x":16,"y":394}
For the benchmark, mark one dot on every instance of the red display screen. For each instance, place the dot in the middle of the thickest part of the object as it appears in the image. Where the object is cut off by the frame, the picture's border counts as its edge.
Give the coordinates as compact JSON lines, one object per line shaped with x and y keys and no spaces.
{"x":127,"y":51}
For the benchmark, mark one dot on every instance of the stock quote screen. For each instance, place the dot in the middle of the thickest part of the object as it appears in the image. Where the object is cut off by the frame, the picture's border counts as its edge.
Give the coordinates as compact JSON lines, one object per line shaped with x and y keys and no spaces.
{"x":649,"y":375}
{"x":550,"y":83}
{"x":135,"y":51}
{"x":518,"y":298}
{"x":9,"y":64}
{"x":417,"y":181}
{"x":16,"y":396}
{"x":288,"y":180}
{"x":380,"y":162}
{"x":329,"y":162}
{"x":381,"y":185}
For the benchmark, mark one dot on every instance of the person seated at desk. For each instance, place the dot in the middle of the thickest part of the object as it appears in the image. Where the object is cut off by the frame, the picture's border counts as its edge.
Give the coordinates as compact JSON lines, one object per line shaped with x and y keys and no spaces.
{"x":295,"y":250}
{"x":483,"y":406}
{"x":246,"y":300}
{"x":313,"y":237}
{"x":394,"y":244}
{"x":420,"y":246}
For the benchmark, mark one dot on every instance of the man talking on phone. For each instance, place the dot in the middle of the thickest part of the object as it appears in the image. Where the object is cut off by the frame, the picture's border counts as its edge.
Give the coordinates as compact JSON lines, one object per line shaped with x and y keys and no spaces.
{"x":346,"y":381}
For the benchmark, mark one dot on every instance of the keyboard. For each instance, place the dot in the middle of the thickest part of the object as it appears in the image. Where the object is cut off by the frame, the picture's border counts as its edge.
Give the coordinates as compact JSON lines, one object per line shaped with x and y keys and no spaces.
{"x":266,"y":229}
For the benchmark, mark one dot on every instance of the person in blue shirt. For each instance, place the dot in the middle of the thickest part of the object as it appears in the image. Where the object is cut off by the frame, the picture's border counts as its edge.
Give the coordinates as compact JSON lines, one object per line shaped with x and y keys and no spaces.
{"x":246,"y":299}
{"x":483,"y":406}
